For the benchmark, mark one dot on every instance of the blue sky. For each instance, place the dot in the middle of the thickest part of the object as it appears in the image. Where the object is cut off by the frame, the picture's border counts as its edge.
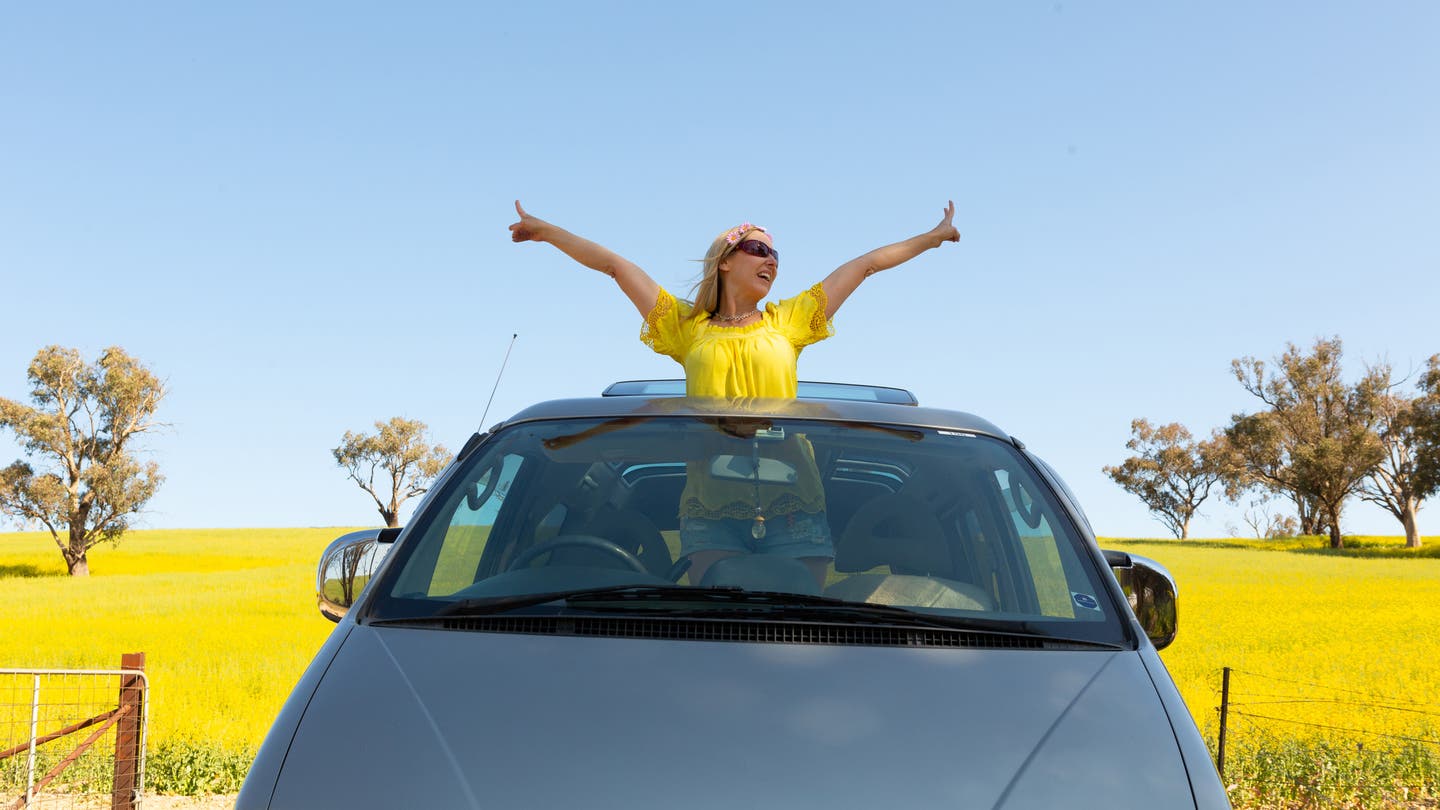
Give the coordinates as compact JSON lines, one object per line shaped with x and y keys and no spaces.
{"x":296,"y":213}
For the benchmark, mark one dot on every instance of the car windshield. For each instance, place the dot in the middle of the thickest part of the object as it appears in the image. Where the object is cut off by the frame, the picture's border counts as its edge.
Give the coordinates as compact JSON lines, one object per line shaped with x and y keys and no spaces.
{"x":939,"y":523}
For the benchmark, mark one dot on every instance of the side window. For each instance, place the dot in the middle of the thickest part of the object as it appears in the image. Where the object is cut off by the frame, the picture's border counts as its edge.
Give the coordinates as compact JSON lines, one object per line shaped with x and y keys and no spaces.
{"x":469,"y":529}
{"x":1037,"y":538}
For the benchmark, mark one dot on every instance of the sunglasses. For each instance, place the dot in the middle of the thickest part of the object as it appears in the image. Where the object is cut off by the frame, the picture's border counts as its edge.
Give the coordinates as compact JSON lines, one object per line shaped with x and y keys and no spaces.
{"x":757,"y":248}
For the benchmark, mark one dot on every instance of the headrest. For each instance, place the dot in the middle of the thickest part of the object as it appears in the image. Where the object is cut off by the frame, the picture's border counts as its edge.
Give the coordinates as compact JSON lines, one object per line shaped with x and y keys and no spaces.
{"x":896,"y":531}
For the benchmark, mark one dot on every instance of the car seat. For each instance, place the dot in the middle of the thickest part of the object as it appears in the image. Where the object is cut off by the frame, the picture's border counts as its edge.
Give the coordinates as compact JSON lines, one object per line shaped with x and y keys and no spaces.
{"x":901,"y":534}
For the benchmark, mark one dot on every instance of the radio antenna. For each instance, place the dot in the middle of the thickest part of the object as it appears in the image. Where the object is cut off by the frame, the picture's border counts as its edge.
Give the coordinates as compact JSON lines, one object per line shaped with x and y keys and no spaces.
{"x":497,"y":381}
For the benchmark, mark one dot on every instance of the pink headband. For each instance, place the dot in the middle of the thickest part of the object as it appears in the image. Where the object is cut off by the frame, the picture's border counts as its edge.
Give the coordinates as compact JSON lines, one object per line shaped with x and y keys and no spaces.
{"x":733,"y":235}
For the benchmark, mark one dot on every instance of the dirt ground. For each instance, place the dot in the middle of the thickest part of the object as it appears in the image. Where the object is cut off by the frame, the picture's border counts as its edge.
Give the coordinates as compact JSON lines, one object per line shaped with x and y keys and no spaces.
{"x":148,"y":802}
{"x":220,"y":802}
{"x":225,"y":802}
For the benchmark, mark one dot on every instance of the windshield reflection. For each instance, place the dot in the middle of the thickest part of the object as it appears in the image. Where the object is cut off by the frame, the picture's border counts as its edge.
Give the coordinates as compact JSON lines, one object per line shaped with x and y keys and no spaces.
{"x":939,"y":522}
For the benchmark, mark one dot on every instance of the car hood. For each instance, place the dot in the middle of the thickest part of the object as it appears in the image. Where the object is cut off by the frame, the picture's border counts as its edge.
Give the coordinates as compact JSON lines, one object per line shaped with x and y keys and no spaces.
{"x":409,"y":717}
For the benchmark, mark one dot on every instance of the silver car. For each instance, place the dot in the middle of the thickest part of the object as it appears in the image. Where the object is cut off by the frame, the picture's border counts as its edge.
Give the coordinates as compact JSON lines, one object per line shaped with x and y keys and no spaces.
{"x":533,"y":637}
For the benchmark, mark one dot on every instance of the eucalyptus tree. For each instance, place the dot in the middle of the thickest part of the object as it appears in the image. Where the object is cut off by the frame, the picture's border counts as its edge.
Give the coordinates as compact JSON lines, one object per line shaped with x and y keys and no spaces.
{"x":1253,"y":461}
{"x":1171,"y":473}
{"x":1397,"y":484}
{"x":400,"y":455}
{"x":1425,"y":420}
{"x":81,"y":426}
{"x":1317,"y":441}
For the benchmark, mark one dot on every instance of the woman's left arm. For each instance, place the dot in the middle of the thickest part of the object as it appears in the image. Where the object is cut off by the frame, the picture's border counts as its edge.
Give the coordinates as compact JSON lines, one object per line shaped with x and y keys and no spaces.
{"x":847,"y":277}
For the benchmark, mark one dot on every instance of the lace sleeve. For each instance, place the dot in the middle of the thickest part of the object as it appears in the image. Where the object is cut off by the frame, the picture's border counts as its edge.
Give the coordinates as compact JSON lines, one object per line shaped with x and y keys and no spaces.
{"x":664,"y":328}
{"x":802,"y":318}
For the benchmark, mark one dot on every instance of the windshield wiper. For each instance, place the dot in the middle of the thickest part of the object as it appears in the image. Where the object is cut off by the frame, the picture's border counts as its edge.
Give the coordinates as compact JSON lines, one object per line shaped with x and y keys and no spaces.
{"x":732,"y":602}
{"x":502,"y":604}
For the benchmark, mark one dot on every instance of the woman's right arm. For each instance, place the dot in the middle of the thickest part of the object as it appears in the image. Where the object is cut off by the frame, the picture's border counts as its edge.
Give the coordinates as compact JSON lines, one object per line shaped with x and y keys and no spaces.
{"x":634,"y":282}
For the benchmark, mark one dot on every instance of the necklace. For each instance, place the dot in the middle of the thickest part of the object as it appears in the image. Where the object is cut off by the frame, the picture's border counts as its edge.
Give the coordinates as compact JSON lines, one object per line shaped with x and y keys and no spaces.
{"x":733,"y":318}
{"x":757,"y":529}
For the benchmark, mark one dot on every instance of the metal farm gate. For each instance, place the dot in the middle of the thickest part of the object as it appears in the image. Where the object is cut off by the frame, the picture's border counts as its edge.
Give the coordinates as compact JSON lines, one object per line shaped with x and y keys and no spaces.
{"x":73,"y":738}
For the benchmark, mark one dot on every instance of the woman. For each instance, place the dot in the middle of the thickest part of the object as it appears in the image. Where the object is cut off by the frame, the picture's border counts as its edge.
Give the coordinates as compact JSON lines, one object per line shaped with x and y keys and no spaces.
{"x":731,"y":348}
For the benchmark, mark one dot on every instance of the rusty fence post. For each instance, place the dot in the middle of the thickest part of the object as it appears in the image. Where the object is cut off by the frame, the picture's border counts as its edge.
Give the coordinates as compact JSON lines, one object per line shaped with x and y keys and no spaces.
{"x":129,"y":743}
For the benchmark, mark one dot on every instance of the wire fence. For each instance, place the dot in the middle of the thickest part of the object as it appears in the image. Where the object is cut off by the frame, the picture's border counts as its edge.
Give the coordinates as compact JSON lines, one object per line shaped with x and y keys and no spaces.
{"x":1269,"y":707}
{"x":73,"y":738}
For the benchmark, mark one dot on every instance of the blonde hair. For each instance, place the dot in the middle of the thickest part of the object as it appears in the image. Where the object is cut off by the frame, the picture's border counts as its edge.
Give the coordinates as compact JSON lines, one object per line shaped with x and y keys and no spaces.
{"x":705,"y":295}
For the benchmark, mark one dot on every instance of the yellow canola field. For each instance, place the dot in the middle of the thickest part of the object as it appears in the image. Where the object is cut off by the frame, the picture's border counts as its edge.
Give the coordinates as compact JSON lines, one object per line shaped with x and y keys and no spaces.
{"x":227,"y":619}
{"x":1318,"y":643}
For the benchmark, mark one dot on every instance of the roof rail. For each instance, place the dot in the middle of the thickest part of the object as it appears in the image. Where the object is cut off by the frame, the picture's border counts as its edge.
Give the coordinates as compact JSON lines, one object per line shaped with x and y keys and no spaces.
{"x":806,"y":389}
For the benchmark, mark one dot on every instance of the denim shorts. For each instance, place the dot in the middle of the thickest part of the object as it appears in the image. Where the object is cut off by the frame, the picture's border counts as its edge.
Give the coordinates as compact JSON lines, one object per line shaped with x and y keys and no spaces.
{"x":797,"y":534}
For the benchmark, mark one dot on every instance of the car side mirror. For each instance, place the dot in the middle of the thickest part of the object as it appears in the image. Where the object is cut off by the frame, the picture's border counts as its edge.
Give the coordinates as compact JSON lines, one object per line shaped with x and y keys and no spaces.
{"x":1151,"y":592}
{"x":346,"y":566}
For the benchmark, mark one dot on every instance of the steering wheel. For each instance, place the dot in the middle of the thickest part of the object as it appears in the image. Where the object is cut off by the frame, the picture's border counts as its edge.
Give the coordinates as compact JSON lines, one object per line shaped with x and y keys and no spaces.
{"x":589,"y":541}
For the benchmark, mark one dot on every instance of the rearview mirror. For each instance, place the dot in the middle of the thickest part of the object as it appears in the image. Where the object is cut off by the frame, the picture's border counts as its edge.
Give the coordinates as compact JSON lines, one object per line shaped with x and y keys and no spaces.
{"x":743,"y":468}
{"x":1151,"y":592}
{"x":346,"y":566}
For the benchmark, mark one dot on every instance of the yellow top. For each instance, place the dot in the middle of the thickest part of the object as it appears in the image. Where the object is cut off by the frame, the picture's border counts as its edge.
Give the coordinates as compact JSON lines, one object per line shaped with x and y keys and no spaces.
{"x":731,"y":362}
{"x":755,"y":360}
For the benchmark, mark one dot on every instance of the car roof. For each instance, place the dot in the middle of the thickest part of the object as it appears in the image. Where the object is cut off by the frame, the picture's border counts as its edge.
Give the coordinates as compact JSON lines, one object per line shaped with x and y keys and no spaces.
{"x":825,"y":410}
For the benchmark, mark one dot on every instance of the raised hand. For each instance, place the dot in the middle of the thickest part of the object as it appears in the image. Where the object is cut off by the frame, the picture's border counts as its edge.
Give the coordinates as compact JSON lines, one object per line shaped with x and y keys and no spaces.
{"x":528,"y":229}
{"x":945,"y":231}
